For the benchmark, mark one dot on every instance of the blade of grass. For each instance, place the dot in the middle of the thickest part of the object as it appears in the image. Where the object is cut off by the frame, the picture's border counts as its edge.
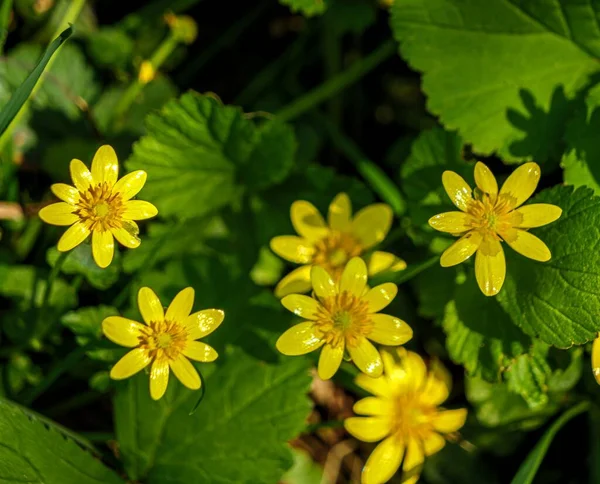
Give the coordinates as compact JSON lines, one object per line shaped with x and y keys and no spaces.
{"x":5,"y":9}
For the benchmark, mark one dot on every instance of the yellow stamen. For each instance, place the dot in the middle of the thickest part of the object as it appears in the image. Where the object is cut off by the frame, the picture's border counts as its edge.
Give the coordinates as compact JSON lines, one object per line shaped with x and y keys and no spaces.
{"x":332,"y":252}
{"x":100,"y":208}
{"x":164,"y":339}
{"x":343,"y":317}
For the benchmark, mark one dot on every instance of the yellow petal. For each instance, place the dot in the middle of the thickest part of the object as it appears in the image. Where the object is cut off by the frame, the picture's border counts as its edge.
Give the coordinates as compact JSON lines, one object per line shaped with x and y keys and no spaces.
{"x":299,"y":340}
{"x":433,"y":443}
{"x":297,"y":281}
{"x":73,"y":236}
{"x":330,"y":360}
{"x":199,"y":351}
{"x":130,"y":364}
{"x":181,"y":306}
{"x":340,"y":213}
{"x":322,"y":283}
{"x":66,"y":193}
{"x":376,"y":386}
{"x":354,"y":277}
{"x":389,"y":330}
{"x":150,"y":306}
{"x":415,"y":369}
{"x":81,"y":176}
{"x":123,"y":331}
{"x":366,"y":358}
{"x":159,"y":378}
{"x":461,"y":250}
{"x":371,"y":224}
{"x":127,"y":234}
{"x":380,"y":296}
{"x":536,"y":215}
{"x":302,"y":306}
{"x":60,"y":213}
{"x":105,"y":166}
{"x":490,"y":267}
{"x":527,"y":244}
{"x":457,"y":189}
{"x":485,"y":179}
{"x":521,"y":184}
{"x":380,"y":261}
{"x":130,"y":185}
{"x":413,"y":462}
{"x":139,"y":210}
{"x":437,"y":386}
{"x":373,"y":406}
{"x":449,"y":420}
{"x":185,"y":372}
{"x":202,"y":323}
{"x":383,"y":462}
{"x":307,"y":221}
{"x":292,"y":248}
{"x":368,"y":429}
{"x":451,"y":222}
{"x":103,"y":247}
{"x":596,"y":359}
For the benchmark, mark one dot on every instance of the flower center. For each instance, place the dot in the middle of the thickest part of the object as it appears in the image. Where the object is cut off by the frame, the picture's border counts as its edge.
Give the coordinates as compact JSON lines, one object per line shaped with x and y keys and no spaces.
{"x":411,"y":418}
{"x":164,"y":339}
{"x":100,"y":208}
{"x":333,"y":251}
{"x":343,"y":317}
{"x":491,"y":215}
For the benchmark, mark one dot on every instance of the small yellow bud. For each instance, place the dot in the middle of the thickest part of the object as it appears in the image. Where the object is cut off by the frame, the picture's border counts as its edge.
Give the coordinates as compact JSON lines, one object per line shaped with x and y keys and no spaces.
{"x":147,"y":72}
{"x":184,"y":27}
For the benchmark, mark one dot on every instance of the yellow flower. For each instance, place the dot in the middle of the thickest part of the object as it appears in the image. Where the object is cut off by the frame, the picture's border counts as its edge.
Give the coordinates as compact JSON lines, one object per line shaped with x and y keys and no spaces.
{"x":166,"y":340}
{"x":596,"y":359}
{"x":343,"y":316}
{"x":100,"y":205}
{"x":404,"y":413}
{"x":333,"y":244}
{"x":489,"y":217}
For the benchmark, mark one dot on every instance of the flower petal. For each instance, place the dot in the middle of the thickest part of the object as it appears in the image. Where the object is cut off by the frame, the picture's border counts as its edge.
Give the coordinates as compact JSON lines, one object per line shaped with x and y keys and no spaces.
{"x":159,"y":378}
{"x":527,"y":244}
{"x":139,"y":210}
{"x":330,"y":360}
{"x":373,"y":406}
{"x":199,"y":351}
{"x":414,"y":368}
{"x":371,"y":224}
{"x":130,"y":364}
{"x":307,"y":220}
{"x":376,"y":386}
{"x":202,"y":323}
{"x":302,"y":306}
{"x":383,"y":462}
{"x":81,"y":176}
{"x":297,"y":281}
{"x":292,"y":248}
{"x":433,"y":443}
{"x":185,"y":372}
{"x":380,"y":296}
{"x":181,"y":306}
{"x":123,"y":331}
{"x":458,"y":189}
{"x":130,"y":185}
{"x":521,"y":184}
{"x":103,"y":247}
{"x":105,"y":166}
{"x":322,"y":283}
{"x":413,"y":462}
{"x":437,"y":385}
{"x":65,"y":192}
{"x":596,"y":359}
{"x":461,"y":250}
{"x":150,"y":306}
{"x":536,"y":215}
{"x":366,"y":358}
{"x":354,"y":277}
{"x":299,"y":340}
{"x":490,"y":266}
{"x":60,"y":213}
{"x":380,"y":261}
{"x":449,"y":420}
{"x":368,"y":429}
{"x":485,"y":179}
{"x":451,"y":222}
{"x":389,"y":330}
{"x":73,"y":236}
{"x":340,"y":213}
{"x":127,"y":234}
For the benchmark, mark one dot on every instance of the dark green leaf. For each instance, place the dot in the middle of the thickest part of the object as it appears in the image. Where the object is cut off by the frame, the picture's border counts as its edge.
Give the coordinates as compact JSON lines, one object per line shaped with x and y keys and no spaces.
{"x":80,"y":261}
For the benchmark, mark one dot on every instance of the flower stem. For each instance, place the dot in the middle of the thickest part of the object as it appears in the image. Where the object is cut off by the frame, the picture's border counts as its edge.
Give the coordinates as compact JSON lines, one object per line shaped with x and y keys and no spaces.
{"x":399,"y":277}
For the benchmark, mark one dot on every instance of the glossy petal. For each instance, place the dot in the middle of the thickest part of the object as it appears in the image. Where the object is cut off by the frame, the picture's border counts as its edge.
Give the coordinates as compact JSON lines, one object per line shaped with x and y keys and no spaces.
{"x":433,"y":443}
{"x":485,"y":179}
{"x":366,"y":358}
{"x":521,"y":184}
{"x":330,"y":360}
{"x":490,"y":267}
{"x":130,"y":185}
{"x":449,"y":420}
{"x":159,"y":378}
{"x":65,"y":192}
{"x":123,"y":331}
{"x":389,"y":330}
{"x":457,"y":189}
{"x":376,"y":386}
{"x":199,"y":351}
{"x":537,"y":215}
{"x":299,"y":340}
{"x":73,"y":236}
{"x":383,"y":462}
{"x":130,"y":364}
{"x":371,"y":224}
{"x":127,"y":234}
{"x":297,"y":281}
{"x":150,"y":306}
{"x":527,"y":244}
{"x":185,"y":372}
{"x":60,"y":213}
{"x":307,"y":221}
{"x":354,"y":277}
{"x":368,"y":429}
{"x":451,"y":222}
{"x":139,"y":210}
{"x":415,"y":368}
{"x":340,"y":213}
{"x":380,"y":261}
{"x":413,"y":462}
{"x":181,"y":306}
{"x":380,"y":296}
{"x":292,"y":248}
{"x":461,"y":250}
{"x":374,"y":406}
{"x":105,"y":166}
{"x":437,"y":386}
{"x":596,"y":359}
{"x":322,"y":283}
{"x":103,"y":247}
{"x":202,"y":323}
{"x":302,"y":306}
{"x":81,"y":176}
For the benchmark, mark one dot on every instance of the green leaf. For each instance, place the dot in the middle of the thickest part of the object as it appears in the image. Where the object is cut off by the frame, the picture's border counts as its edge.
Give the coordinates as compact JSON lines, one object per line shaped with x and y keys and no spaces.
{"x":501,"y":72}
{"x":33,"y":449}
{"x":308,"y":8}
{"x":455,"y":465}
{"x":110,"y":47}
{"x":350,"y":16}
{"x":304,"y":471}
{"x":528,"y":375}
{"x":539,"y":296}
{"x":237,"y":435}
{"x":80,"y":261}
{"x":198,"y":152}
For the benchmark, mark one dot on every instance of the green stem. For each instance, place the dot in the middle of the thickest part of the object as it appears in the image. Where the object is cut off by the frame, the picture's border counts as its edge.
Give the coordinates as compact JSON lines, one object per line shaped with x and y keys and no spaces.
{"x":399,"y":277}
{"x":50,"y":282}
{"x":332,"y":86}
{"x":332,"y":57}
{"x":5,"y":10}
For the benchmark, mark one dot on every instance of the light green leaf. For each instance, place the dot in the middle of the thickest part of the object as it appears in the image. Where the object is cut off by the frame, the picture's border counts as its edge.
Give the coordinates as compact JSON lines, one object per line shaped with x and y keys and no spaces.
{"x":110,"y":47}
{"x":304,"y":471}
{"x":308,"y":8}
{"x":80,"y":261}
{"x":528,"y":375}
{"x":501,"y":72}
